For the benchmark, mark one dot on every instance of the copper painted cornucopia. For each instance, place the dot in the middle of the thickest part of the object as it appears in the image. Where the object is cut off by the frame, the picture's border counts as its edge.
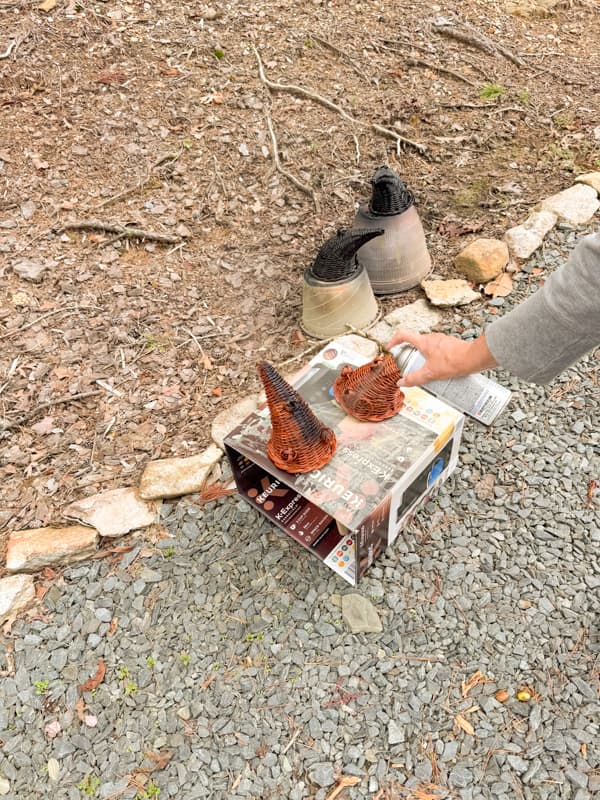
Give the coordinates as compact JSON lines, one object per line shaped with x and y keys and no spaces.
{"x":370,"y":393}
{"x":299,"y":442}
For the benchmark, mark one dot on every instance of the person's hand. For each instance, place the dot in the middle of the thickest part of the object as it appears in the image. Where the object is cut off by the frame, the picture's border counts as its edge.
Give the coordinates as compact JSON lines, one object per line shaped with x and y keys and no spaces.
{"x":445,"y":356}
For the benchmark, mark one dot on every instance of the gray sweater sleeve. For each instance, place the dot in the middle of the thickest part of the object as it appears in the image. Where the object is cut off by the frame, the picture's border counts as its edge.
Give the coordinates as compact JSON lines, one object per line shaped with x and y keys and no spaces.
{"x":555,"y":326}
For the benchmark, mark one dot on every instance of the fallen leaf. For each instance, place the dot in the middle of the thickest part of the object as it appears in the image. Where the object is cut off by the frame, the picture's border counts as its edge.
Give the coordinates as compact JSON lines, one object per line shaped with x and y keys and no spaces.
{"x":47,"y":5}
{"x":484,"y":490}
{"x":38,"y":163}
{"x":501,"y":695}
{"x":95,"y":681}
{"x":41,"y":589}
{"x":217,"y":391}
{"x":298,"y":337}
{"x":161,"y":759}
{"x":464,"y":724}
{"x":44,"y":427}
{"x":478,"y":676}
{"x":262,"y":751}
{"x":80,"y":709}
{"x":206,"y":362}
{"x":111,"y":77}
{"x":583,"y":750}
{"x":500,"y":287}
{"x":344,"y":781}
{"x":49,"y":573}
{"x":428,"y":791}
{"x":52,"y":729}
{"x":113,"y":626}
{"x":214,"y":492}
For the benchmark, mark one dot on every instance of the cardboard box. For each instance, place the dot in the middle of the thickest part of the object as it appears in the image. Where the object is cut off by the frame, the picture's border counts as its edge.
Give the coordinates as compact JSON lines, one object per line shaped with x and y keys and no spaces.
{"x":349,"y":511}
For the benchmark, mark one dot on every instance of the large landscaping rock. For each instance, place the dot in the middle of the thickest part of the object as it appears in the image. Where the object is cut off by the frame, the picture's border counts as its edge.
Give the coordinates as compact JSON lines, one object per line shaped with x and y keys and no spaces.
{"x":114,"y":513}
{"x":482,"y":260}
{"x":30,"y":551}
{"x":173,"y":477}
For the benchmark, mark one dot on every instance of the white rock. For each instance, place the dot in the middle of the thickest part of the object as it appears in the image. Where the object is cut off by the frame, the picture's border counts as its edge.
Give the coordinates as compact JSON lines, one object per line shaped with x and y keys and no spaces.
{"x":28,"y":209}
{"x":574,"y":205}
{"x":418,"y":316}
{"x":381,"y":332}
{"x":521,"y":241}
{"x":16,"y":593}
{"x":360,"y":615}
{"x":173,"y":477}
{"x":29,"y":270}
{"x":114,"y":513}
{"x":4,"y":786}
{"x":449,"y":293}
{"x":231,"y":417}
{"x":53,"y":769}
{"x":541,"y":222}
{"x":358,"y":344}
{"x":29,"y":551}
{"x":591,"y":179}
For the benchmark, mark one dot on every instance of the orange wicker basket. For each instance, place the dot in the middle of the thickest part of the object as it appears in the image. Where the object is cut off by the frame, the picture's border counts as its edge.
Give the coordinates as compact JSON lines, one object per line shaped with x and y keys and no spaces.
{"x":299,"y":442}
{"x":370,"y":393}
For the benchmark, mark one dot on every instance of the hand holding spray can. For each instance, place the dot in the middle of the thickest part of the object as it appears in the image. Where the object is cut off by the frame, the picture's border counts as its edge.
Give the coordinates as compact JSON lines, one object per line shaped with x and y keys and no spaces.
{"x":475,"y":395}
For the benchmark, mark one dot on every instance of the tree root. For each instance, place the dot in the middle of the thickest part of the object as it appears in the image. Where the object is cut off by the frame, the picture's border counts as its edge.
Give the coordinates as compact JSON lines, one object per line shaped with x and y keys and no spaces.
{"x":299,"y":91}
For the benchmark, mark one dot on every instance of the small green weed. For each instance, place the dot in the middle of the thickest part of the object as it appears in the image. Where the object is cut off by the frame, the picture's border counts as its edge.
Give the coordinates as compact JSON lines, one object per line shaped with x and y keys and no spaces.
{"x":524,"y":97}
{"x":168,"y":551}
{"x":152,"y":790}
{"x":255,"y":637}
{"x":218,"y":53}
{"x":123,"y":672}
{"x":491,"y":91}
{"x":89,"y":785}
{"x":185,"y":659}
{"x":41,"y":687}
{"x":150,"y":662}
{"x":130,"y":688}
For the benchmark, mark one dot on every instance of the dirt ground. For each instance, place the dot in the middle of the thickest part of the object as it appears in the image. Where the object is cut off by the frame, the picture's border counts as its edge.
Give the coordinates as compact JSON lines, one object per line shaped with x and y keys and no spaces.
{"x":154,"y":114}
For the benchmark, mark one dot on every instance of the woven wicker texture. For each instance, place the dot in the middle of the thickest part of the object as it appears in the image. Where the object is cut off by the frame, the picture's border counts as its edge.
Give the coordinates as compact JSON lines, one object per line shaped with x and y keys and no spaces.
{"x":369,"y":393}
{"x":299,"y":442}
{"x":390,"y":195}
{"x":336,"y":260}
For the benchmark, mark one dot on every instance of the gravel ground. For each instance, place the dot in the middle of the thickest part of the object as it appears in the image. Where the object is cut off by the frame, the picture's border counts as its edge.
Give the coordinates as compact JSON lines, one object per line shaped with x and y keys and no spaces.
{"x":231,"y":655}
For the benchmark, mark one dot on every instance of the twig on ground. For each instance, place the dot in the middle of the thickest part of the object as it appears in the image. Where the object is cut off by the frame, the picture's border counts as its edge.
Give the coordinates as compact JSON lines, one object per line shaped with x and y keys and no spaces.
{"x":329,"y":46}
{"x":344,"y":782}
{"x":67,"y":310}
{"x":462,"y":32}
{"x":123,"y":231}
{"x":291,"y":741}
{"x":421,"y":62}
{"x":276,"y":160}
{"x":16,"y":42}
{"x":299,"y":91}
{"x":357,"y":149}
{"x":70,"y":398}
{"x":460,"y":106}
{"x":172,"y":157}
{"x":8,"y":50}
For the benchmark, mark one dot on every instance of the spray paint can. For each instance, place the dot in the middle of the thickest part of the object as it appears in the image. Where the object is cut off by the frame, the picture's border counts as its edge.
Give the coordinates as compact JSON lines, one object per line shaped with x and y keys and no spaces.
{"x":475,"y":395}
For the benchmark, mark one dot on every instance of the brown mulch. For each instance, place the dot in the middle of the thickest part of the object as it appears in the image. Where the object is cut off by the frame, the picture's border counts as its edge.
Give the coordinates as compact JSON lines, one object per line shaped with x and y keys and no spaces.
{"x":154,"y":115}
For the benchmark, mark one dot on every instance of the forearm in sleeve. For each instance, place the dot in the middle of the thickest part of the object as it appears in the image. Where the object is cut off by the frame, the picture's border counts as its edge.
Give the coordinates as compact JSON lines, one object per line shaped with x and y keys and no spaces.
{"x":555,"y":326}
